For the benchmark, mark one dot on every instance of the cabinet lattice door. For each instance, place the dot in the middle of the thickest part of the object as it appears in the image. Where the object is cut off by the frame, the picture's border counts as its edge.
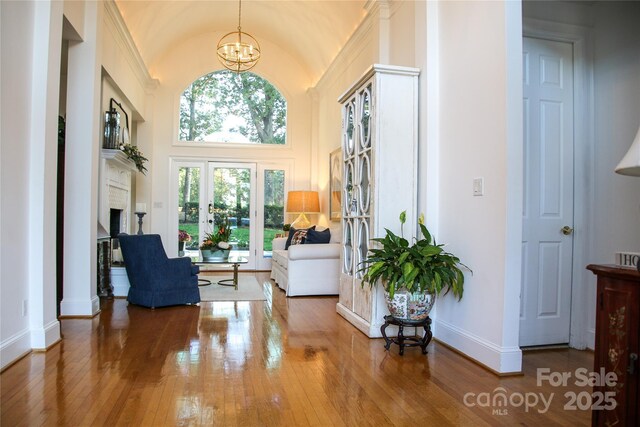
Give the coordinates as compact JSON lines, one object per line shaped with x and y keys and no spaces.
{"x":379,"y":149}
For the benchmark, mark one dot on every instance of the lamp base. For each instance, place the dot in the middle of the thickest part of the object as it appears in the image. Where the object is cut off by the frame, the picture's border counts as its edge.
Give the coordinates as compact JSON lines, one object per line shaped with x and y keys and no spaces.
{"x":301,"y":222}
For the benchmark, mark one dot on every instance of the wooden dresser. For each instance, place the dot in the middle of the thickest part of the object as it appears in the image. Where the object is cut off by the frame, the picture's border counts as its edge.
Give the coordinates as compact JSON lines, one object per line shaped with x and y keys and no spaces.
{"x":617,"y":342}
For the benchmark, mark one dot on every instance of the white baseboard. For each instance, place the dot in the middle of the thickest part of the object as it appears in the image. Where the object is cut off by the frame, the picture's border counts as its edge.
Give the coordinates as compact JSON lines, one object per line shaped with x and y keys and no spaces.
{"x":500,"y":359}
{"x":14,"y":348}
{"x":355,"y":320}
{"x":373,"y":330}
{"x":89,"y":307}
{"x":43,"y":338}
{"x":591,"y":338}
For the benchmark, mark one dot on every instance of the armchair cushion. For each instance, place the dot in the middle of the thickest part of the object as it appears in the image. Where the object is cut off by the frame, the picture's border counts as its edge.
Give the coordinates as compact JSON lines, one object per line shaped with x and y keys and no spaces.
{"x":155,"y":279}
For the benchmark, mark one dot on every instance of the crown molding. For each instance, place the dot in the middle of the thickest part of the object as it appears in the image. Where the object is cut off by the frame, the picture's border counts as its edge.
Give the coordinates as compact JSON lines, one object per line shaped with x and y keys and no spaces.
{"x":134,"y":58}
{"x":348,"y":50}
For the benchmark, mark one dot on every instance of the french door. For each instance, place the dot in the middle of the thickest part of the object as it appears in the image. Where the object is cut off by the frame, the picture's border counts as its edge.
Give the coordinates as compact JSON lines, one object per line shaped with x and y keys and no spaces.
{"x":249,"y":195}
{"x":231,"y":194}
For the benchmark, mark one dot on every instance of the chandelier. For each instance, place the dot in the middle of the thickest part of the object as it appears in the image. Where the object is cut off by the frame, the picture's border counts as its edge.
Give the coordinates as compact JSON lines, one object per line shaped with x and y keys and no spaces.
{"x":238,"y":51}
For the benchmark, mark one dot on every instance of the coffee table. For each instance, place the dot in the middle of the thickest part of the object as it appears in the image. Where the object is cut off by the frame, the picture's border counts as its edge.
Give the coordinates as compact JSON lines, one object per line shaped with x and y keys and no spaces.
{"x":233,"y":261}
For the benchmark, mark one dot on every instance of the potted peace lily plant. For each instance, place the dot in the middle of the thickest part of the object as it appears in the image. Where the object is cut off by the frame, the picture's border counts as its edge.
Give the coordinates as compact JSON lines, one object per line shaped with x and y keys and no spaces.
{"x":412,"y":274}
{"x":215,"y":246}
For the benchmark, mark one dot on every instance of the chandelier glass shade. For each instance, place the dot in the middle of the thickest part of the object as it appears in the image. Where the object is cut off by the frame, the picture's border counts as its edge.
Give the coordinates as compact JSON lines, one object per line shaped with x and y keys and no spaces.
{"x":238,"y":51}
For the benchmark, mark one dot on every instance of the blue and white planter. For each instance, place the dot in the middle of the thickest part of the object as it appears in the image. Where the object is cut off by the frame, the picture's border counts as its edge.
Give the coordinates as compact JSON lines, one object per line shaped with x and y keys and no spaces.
{"x":410,"y":306}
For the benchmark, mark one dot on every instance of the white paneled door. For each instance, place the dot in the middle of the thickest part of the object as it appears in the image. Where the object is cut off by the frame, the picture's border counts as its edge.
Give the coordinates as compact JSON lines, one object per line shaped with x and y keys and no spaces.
{"x":547,"y":247}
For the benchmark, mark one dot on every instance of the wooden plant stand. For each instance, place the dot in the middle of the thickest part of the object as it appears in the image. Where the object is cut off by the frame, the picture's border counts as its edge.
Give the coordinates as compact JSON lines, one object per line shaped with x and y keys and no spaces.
{"x":401,"y":340}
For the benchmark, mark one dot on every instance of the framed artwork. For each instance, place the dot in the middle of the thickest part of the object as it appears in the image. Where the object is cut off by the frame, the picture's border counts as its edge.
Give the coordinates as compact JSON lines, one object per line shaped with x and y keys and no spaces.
{"x":335,"y":185}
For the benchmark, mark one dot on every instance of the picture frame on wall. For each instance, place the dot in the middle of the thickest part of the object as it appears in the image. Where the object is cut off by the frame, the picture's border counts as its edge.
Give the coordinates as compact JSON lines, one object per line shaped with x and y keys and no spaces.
{"x":335,"y":185}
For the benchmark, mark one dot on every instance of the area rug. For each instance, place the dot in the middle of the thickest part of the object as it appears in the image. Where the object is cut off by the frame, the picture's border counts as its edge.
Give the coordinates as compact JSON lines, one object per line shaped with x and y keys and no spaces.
{"x":248,"y":290}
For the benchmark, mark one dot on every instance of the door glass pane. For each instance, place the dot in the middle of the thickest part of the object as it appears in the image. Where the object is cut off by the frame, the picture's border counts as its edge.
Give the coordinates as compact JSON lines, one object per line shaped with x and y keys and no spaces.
{"x":348,"y":206}
{"x":232,"y":199}
{"x":273,"y":207}
{"x":347,"y":247}
{"x":188,"y":211}
{"x":366,"y":117}
{"x":349,"y":128}
{"x":363,"y":188}
{"x":363,"y":245}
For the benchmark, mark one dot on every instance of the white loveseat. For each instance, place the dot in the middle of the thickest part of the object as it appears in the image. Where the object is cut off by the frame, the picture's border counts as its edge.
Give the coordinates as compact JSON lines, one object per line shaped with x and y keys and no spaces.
{"x":311,"y":269}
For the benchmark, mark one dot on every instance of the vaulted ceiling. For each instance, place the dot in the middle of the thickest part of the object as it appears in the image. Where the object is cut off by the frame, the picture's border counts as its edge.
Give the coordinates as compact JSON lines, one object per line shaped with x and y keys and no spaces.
{"x":311,"y":31}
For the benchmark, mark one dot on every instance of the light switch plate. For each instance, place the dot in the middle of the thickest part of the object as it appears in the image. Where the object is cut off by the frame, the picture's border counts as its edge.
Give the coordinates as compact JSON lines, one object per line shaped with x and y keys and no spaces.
{"x":478,"y":186}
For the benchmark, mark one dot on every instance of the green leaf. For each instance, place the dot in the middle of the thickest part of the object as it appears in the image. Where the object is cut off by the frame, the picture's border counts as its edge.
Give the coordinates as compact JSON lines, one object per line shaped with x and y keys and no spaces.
{"x":425,"y":233}
{"x":403,"y":257}
{"x":430,"y":250}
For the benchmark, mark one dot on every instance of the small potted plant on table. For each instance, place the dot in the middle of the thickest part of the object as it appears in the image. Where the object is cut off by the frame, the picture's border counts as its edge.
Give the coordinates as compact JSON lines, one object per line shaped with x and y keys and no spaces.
{"x":215,"y":246}
{"x":183,"y":237}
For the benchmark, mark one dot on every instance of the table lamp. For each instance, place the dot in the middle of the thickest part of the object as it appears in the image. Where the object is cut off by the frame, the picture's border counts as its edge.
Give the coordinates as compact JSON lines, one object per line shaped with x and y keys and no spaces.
{"x":630,"y":164}
{"x":302,"y":202}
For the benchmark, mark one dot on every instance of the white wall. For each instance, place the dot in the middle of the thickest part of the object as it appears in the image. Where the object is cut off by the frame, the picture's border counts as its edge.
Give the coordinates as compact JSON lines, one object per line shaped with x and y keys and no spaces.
{"x":74,"y":13}
{"x":31,"y":37}
{"x":17,"y":22}
{"x":617,"y":118}
{"x":476,"y":99}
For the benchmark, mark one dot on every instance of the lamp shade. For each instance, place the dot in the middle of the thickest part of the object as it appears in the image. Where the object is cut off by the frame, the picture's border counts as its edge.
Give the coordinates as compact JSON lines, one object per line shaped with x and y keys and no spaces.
{"x":630,"y":163}
{"x":303,"y":202}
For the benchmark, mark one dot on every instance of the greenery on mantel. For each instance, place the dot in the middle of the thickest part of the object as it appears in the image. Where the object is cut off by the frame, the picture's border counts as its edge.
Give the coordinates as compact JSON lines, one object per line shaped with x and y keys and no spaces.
{"x":135,"y":155}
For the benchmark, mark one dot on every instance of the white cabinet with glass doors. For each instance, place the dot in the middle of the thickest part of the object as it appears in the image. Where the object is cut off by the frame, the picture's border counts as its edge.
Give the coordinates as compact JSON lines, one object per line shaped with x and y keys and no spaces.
{"x":379,"y":152}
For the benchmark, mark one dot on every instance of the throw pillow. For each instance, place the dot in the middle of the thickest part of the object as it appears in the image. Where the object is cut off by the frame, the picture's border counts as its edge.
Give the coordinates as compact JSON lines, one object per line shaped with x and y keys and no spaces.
{"x":314,"y":236}
{"x":299,"y":237}
{"x":292,"y":231}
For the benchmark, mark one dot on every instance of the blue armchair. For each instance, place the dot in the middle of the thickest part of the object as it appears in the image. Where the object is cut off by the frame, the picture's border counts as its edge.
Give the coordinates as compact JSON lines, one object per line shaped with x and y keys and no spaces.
{"x":155,"y":279}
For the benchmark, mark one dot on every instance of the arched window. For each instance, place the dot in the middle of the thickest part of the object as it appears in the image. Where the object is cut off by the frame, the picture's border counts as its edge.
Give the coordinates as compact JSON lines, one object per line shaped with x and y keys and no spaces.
{"x":227,"y":107}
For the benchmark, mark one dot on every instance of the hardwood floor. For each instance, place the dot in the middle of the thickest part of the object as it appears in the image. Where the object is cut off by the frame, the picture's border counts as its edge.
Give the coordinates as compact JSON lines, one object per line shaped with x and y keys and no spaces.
{"x":280,"y":362}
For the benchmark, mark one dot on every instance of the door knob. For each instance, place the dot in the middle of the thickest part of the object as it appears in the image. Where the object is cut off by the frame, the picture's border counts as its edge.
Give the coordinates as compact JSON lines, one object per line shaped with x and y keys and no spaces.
{"x":566,"y":230}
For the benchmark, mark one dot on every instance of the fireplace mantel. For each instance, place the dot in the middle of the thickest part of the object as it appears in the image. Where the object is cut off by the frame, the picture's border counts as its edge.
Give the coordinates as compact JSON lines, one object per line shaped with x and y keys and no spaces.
{"x":118,"y":157}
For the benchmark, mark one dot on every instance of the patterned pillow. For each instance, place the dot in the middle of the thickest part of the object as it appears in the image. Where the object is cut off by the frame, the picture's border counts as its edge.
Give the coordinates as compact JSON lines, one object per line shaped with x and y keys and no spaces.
{"x":292,"y":231}
{"x":298,"y":237}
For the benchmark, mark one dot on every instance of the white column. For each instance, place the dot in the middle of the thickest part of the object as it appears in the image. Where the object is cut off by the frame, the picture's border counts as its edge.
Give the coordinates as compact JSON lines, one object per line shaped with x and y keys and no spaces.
{"x":47,"y":42}
{"x":81,"y":168}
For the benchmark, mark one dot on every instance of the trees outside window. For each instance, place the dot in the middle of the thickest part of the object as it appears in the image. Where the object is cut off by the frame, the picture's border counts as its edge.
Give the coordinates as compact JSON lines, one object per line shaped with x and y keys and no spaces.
{"x":227,"y":107}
